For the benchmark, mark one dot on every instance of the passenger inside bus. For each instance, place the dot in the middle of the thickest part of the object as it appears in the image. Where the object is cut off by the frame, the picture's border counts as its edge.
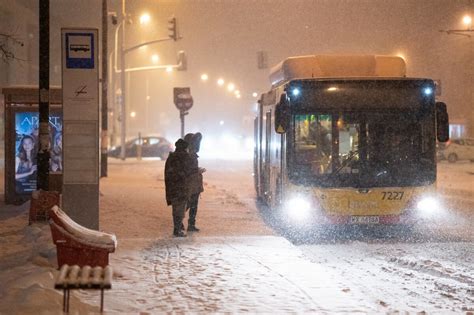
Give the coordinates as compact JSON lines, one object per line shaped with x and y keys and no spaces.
{"x":313,"y":142}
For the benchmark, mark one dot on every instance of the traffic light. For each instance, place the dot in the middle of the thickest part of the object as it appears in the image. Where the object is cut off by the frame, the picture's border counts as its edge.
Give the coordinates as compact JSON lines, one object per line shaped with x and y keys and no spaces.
{"x":172,"y":28}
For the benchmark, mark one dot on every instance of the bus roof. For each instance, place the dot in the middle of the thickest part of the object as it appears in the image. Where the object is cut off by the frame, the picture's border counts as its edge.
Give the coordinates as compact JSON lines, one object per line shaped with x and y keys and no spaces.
{"x":332,"y":66}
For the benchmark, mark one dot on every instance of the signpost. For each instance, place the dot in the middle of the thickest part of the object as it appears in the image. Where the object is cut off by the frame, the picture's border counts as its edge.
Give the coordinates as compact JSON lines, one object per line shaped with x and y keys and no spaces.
{"x":43,"y":153}
{"x":80,"y":82}
{"x":183,"y":102}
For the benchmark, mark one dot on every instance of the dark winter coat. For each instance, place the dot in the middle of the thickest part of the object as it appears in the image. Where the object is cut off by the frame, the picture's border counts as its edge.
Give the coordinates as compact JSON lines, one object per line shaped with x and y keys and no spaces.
{"x":177,"y":171}
{"x":195,"y":180}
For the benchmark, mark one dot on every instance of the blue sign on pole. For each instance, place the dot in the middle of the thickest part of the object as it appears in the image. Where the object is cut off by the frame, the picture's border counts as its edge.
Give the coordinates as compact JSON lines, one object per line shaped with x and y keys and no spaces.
{"x":80,"y":50}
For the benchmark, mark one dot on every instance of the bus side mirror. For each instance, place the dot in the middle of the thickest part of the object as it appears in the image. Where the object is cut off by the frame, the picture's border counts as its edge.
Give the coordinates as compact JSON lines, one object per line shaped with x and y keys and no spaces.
{"x":282,"y":114}
{"x":442,"y":122}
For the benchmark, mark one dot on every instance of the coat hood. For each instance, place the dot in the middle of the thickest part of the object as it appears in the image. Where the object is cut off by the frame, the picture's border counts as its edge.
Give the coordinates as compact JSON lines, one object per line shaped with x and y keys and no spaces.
{"x":196,"y":141}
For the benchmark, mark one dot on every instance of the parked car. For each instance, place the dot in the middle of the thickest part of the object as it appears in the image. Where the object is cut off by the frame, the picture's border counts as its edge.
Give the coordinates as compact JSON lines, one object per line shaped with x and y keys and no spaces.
{"x":151,"y":147}
{"x":457,"y":149}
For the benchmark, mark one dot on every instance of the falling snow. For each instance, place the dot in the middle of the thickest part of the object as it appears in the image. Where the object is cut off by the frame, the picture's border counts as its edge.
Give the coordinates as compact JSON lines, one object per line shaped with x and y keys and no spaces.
{"x":238,"y":263}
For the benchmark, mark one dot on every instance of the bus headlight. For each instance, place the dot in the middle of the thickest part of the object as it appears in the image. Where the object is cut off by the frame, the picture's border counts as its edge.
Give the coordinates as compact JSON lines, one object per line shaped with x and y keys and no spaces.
{"x":428,"y":91}
{"x":295,"y":91}
{"x":298,"y":208}
{"x":428,"y":206}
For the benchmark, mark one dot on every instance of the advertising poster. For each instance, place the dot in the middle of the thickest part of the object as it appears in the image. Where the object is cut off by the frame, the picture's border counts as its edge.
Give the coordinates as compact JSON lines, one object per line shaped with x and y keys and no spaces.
{"x":26,"y":148}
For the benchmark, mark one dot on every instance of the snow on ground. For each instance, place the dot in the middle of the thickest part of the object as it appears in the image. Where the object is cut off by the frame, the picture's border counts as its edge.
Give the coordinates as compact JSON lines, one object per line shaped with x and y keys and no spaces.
{"x":237,"y":263}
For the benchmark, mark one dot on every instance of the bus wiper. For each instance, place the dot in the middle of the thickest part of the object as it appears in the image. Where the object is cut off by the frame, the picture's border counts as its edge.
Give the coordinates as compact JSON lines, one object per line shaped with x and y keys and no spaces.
{"x":345,"y":162}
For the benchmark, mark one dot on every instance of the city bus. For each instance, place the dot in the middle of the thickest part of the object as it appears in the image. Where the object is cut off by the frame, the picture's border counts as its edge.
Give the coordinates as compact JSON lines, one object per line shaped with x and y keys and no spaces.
{"x":348,"y":140}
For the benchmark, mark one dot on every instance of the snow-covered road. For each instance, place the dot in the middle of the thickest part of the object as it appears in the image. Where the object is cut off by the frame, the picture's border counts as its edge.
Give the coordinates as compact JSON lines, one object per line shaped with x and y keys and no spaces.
{"x":238,"y":263}
{"x":432,"y":277}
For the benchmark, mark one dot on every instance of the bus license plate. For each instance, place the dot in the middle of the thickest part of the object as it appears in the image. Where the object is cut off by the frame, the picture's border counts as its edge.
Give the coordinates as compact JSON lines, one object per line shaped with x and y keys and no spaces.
{"x":365,"y":219}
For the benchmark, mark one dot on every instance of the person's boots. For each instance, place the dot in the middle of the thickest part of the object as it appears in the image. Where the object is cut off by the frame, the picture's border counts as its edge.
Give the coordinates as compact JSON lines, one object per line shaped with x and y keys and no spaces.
{"x":192,"y":228}
{"x":177,"y":222}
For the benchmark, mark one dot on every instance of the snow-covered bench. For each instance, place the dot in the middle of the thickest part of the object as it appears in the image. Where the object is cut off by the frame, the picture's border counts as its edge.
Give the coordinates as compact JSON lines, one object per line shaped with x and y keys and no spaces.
{"x":85,"y":278}
{"x":77,"y":245}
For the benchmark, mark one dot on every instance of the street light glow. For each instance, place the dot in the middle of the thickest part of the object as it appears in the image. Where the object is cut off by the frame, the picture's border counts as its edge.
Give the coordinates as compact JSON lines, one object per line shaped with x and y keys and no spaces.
{"x":254,"y":94}
{"x":133,"y":114}
{"x":204,"y":77}
{"x":144,"y":18}
{"x":230,"y":87}
{"x":220,"y":82}
{"x":169,"y":69}
{"x":467,"y":20}
{"x":401,"y":55}
{"x":155,"y":58}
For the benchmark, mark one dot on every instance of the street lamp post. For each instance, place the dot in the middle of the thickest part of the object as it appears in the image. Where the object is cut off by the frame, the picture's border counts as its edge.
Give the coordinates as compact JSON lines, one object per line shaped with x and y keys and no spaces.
{"x":123,"y":115}
{"x":113,"y":95}
{"x":180,"y":66}
{"x":467,"y":21}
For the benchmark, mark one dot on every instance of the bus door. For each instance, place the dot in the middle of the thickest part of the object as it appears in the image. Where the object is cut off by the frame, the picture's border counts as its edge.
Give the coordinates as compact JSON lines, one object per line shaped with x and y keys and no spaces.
{"x":266,"y":163}
{"x":256,"y":155}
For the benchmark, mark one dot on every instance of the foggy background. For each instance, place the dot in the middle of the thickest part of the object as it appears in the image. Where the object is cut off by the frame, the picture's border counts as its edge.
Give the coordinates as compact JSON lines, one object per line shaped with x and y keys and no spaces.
{"x":223,"y":37}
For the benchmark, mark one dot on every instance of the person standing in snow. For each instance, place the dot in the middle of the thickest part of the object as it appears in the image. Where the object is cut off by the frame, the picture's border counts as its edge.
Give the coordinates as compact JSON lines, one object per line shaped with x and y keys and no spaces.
{"x":177,"y":171}
{"x":195,"y":178}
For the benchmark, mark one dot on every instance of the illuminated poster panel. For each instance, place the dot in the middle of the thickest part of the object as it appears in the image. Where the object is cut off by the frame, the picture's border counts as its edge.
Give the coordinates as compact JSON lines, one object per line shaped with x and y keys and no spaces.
{"x":26,"y":148}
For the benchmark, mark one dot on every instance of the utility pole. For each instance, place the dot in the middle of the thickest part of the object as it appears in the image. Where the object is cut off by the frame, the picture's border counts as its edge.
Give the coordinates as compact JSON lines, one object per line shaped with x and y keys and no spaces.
{"x":44,"y":142}
{"x":182,"y":64}
{"x":123,"y":114}
{"x":104,"y":112}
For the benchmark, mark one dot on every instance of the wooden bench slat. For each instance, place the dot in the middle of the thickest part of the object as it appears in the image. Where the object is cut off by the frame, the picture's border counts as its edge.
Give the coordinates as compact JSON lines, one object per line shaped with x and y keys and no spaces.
{"x":97,"y":276}
{"x":85,"y":275}
{"x":72,"y":277}
{"x":107,"y":283}
{"x":61,"y":279}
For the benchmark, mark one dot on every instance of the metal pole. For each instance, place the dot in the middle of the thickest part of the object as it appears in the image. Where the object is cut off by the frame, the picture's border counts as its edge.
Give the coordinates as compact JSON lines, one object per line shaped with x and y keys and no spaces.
{"x":112,"y":93}
{"x":181,"y":117}
{"x":44,"y":142}
{"x":139,"y":146}
{"x":123,"y":114}
{"x":147,"y":100}
{"x":104,"y":136}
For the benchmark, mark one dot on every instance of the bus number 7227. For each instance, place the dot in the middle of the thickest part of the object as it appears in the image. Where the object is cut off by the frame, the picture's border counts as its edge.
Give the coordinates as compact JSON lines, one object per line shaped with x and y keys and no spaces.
{"x":392,"y":195}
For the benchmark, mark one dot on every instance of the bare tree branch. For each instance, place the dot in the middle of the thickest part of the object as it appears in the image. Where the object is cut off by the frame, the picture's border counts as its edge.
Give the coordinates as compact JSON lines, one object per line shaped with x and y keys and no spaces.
{"x":7,"y":41}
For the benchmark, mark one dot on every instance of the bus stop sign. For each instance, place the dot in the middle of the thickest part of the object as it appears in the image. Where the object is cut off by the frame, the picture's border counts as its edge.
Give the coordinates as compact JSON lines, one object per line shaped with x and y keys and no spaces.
{"x":182,"y":98}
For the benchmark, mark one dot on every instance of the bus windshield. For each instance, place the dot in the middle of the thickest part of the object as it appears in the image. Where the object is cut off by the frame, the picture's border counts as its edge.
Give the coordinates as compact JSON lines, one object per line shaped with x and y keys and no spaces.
{"x":363,"y":149}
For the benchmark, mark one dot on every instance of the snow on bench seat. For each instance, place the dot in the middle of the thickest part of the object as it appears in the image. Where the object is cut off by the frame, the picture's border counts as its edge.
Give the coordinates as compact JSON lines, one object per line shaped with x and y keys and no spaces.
{"x":78,"y":245}
{"x":91,"y":237}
